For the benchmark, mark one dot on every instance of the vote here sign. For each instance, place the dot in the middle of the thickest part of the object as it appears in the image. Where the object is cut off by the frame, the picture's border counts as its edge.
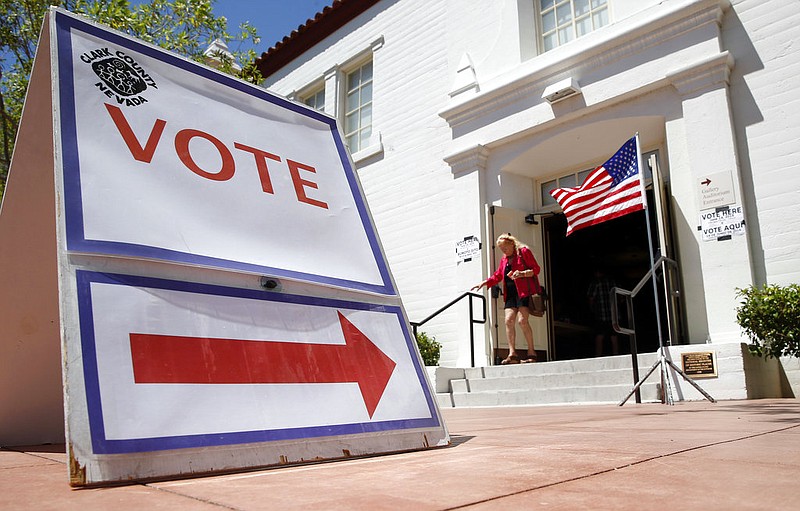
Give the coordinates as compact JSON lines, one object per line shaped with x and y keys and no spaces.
{"x":165,"y":159}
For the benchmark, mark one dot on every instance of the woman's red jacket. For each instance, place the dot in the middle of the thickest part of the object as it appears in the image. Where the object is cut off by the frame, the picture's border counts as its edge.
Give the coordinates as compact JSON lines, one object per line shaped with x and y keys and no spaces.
{"x":521,"y":260}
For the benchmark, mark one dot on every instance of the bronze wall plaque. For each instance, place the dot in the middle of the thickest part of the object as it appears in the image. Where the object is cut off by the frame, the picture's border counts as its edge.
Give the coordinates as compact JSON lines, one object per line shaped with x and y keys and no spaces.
{"x":699,"y":364}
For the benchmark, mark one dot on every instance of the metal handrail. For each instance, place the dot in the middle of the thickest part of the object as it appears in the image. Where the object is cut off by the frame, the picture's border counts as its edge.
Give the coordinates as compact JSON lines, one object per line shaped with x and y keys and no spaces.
{"x":615,"y":293}
{"x":630,"y":295}
{"x":472,"y":320}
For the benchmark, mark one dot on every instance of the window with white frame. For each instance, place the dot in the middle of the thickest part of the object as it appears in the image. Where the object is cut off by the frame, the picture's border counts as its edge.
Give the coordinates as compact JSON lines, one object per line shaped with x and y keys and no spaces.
{"x":316,"y":100}
{"x":565,"y":20}
{"x":358,"y":107}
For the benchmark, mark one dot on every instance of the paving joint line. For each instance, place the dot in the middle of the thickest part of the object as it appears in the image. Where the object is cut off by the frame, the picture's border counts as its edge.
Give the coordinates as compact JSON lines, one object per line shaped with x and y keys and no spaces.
{"x":627,"y":465}
{"x":198,"y":499}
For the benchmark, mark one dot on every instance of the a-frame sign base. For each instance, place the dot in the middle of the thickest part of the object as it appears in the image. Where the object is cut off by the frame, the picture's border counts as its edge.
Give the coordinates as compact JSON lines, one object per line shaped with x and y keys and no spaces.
{"x":190,"y":263}
{"x":31,"y":395}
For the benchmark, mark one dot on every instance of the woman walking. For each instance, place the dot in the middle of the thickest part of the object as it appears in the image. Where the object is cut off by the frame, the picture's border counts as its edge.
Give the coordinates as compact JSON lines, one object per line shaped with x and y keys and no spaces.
{"x":518,"y":272}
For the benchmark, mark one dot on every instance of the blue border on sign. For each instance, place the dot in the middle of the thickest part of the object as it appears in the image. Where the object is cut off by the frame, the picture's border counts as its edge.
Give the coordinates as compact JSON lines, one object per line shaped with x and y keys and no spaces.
{"x":75,"y":235}
{"x":102,"y":445}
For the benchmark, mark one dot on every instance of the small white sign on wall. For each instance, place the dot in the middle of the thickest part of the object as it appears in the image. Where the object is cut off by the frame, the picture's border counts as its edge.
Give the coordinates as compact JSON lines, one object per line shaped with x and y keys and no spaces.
{"x":722,"y":223}
{"x":715,"y":190}
{"x":468,"y":248}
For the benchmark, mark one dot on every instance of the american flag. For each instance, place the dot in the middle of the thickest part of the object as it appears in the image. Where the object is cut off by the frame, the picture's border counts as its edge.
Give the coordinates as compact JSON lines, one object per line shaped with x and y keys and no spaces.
{"x":611,"y":190}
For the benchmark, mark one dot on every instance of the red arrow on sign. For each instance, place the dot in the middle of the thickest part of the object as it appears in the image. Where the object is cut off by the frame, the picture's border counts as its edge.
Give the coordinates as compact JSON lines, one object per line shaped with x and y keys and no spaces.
{"x":202,"y":360}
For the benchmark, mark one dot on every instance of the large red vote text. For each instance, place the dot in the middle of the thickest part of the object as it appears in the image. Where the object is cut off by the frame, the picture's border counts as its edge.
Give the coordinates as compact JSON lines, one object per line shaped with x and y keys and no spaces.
{"x":144,"y":153}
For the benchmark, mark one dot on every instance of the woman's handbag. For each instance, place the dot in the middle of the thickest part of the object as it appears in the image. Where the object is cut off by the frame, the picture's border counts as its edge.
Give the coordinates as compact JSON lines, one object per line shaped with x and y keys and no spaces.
{"x":538,"y":305}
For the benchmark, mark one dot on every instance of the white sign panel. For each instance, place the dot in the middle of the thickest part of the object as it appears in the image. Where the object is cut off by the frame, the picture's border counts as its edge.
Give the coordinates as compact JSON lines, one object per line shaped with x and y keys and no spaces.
{"x":468,"y":248}
{"x":722,"y":223}
{"x":178,"y":365}
{"x":164,"y":159}
{"x":715,"y":190}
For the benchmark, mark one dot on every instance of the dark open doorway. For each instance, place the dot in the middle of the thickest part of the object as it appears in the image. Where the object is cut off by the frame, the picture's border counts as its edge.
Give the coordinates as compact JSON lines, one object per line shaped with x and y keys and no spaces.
{"x":620,"y":247}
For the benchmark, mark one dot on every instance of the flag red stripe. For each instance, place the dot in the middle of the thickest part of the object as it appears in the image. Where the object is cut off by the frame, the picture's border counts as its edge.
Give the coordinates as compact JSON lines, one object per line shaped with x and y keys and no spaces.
{"x":595,"y":182}
{"x":575,"y":199}
{"x":608,"y":211}
{"x":603,"y":208}
{"x":632,"y":209}
{"x":606,"y":206}
{"x":629,"y":189}
{"x":598,"y":203}
{"x":623,"y":194}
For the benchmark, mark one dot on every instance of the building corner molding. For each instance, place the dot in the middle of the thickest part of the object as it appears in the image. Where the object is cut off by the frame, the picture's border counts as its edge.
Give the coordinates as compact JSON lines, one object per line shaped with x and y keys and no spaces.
{"x":707,"y":74}
{"x":474,"y":158}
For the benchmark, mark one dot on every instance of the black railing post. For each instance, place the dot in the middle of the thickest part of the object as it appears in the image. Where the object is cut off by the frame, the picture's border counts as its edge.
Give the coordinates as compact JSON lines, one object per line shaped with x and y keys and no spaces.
{"x":471,"y":334}
{"x":472,"y":320}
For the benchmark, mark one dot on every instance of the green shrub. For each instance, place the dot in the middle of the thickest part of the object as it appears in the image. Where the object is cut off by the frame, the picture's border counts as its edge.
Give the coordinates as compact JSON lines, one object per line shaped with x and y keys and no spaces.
{"x":771,"y":319}
{"x":428,"y":348}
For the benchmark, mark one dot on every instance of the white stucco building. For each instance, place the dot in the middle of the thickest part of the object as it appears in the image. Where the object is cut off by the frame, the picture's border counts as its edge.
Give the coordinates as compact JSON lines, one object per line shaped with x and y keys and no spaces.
{"x":454,"y":114}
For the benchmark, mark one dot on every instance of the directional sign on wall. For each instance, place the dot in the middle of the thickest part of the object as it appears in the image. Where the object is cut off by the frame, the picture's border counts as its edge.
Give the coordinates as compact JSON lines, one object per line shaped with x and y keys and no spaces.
{"x":715,"y":190}
{"x":171,"y":192}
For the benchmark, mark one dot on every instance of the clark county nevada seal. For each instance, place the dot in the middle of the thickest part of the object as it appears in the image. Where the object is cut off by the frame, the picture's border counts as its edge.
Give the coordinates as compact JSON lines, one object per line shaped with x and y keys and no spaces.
{"x":121,"y":77}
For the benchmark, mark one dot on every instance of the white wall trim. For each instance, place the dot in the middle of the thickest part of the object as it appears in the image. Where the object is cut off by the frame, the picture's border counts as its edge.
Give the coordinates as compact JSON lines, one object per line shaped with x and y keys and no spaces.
{"x":473,"y":158}
{"x":705,"y":74}
{"x":663,"y":22}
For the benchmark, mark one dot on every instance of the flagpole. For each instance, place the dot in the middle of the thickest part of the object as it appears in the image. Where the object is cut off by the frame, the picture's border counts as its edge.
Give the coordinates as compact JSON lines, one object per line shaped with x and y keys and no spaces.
{"x":665,"y":377}
{"x":649,"y":238}
{"x":662,"y":361}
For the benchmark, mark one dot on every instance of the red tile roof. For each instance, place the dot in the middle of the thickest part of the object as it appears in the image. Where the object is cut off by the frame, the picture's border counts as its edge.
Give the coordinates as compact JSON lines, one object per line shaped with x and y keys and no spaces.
{"x":312,"y":32}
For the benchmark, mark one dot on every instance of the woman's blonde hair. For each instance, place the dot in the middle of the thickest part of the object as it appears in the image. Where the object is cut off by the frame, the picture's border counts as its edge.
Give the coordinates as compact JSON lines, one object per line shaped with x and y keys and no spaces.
{"x":508,"y":238}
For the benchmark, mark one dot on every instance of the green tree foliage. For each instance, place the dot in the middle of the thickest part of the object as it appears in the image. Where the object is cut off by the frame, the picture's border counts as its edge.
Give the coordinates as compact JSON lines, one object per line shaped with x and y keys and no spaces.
{"x":186,"y":27}
{"x":770,"y":317}
{"x":429,"y":348}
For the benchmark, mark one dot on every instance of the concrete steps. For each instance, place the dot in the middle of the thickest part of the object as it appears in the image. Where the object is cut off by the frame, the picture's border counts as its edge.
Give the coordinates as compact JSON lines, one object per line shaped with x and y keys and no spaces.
{"x":596,"y":380}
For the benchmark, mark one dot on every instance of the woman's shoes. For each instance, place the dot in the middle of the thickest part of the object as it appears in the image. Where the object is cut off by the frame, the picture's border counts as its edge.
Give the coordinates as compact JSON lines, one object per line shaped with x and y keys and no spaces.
{"x":514,"y":359}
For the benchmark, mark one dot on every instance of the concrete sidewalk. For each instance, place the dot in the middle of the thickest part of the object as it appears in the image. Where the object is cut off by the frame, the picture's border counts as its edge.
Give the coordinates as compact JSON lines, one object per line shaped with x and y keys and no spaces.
{"x":732,"y":455}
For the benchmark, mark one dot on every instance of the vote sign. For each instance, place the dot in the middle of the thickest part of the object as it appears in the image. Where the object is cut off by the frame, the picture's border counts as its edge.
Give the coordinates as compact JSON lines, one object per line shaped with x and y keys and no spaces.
{"x":240,"y":366}
{"x":169,"y":176}
{"x":165,"y":159}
